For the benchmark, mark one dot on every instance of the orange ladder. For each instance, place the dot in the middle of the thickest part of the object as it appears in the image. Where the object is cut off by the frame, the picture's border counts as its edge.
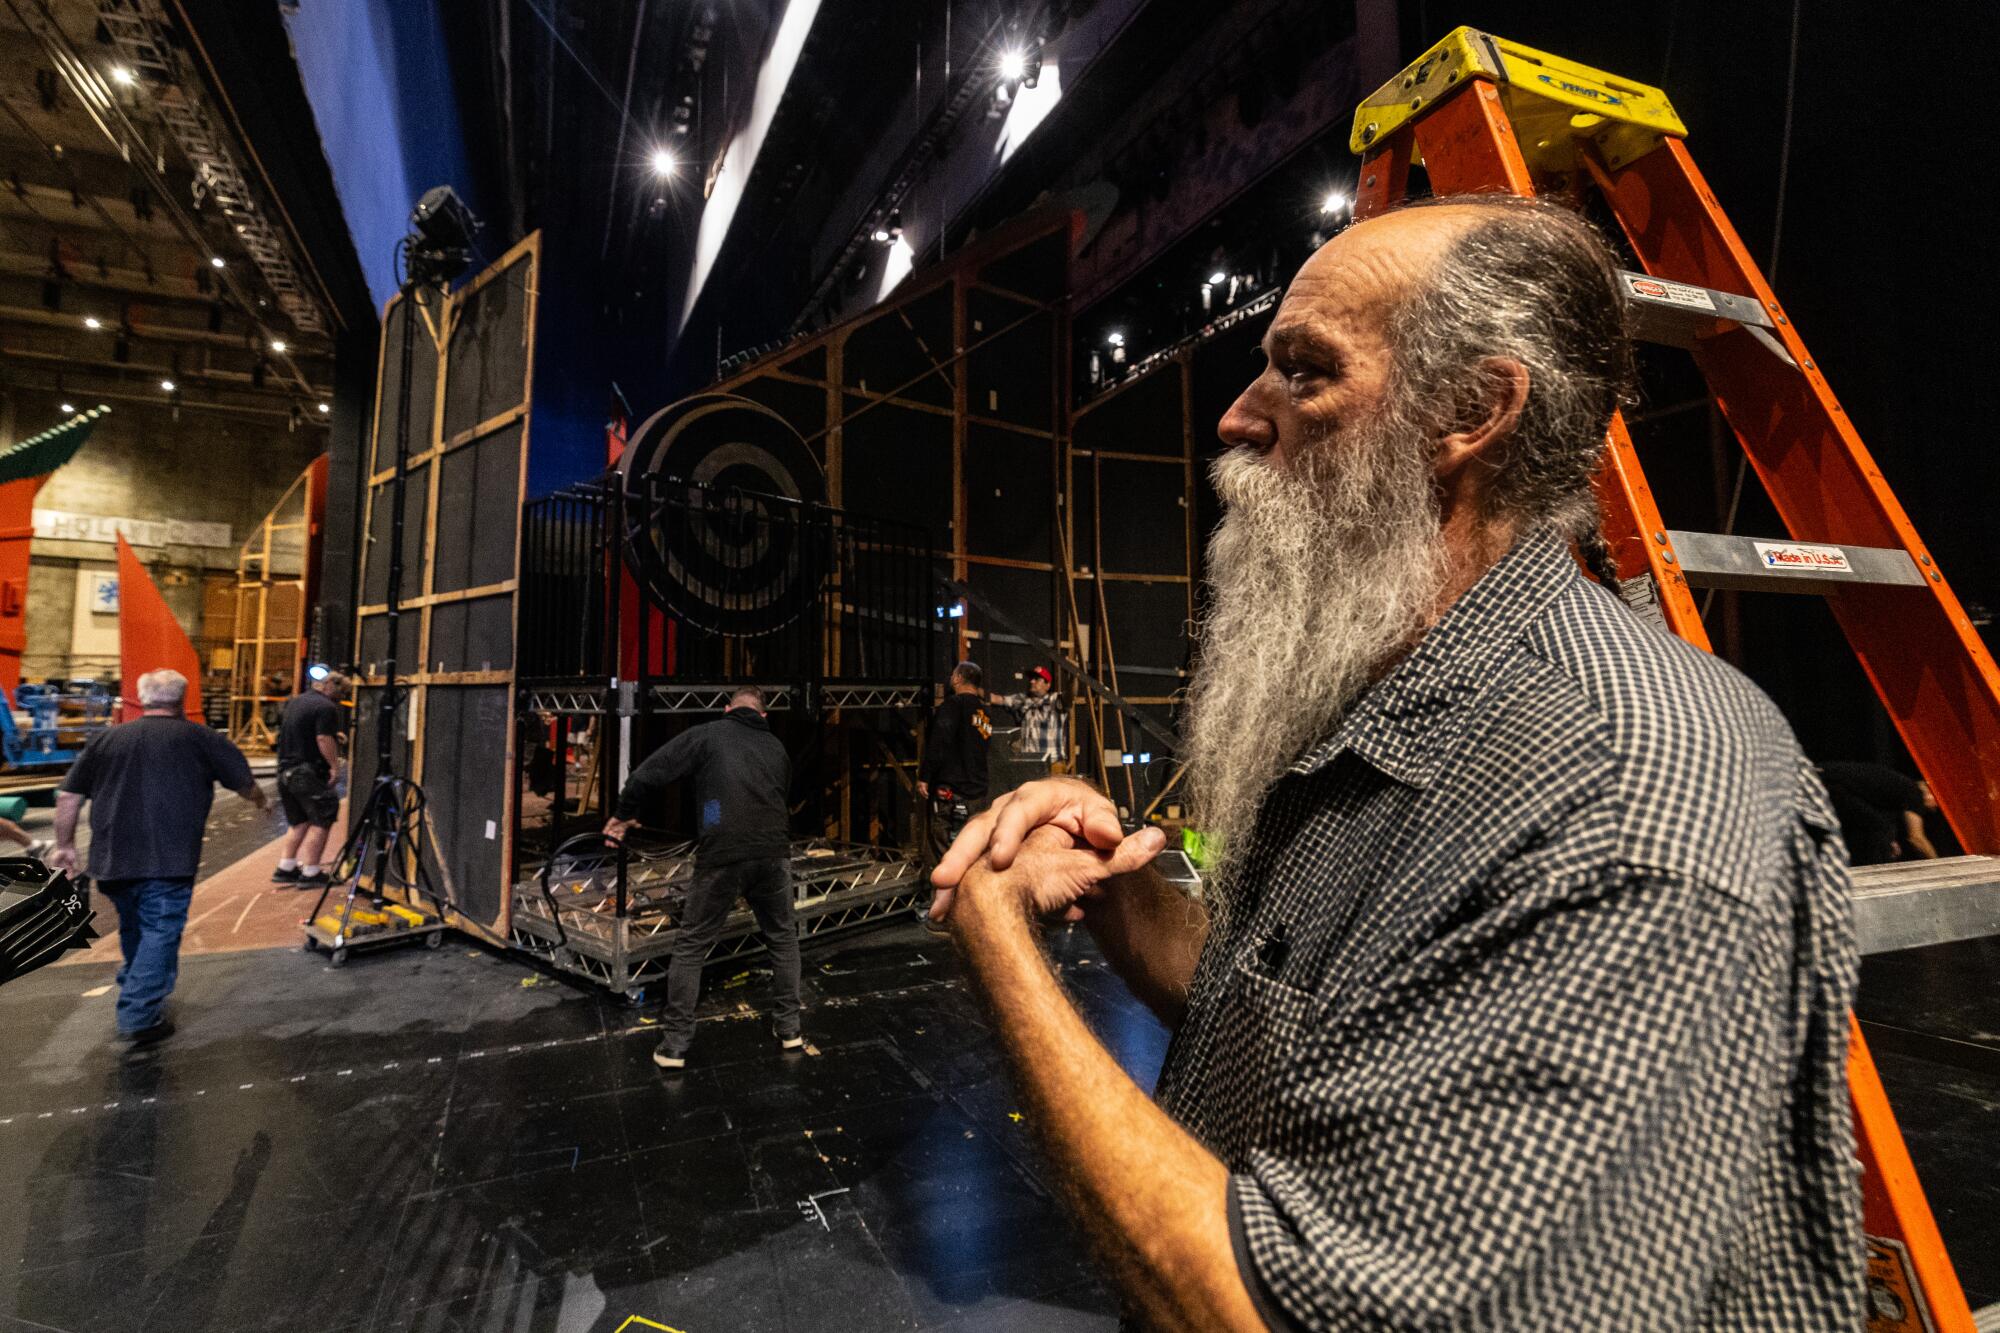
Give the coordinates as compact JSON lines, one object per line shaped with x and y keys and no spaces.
{"x":1483,"y":114}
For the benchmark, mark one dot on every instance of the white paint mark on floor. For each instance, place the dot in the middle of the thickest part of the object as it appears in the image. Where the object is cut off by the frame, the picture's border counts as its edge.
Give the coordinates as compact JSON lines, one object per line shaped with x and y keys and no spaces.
{"x":248,"y":903}
{"x":96,"y":991}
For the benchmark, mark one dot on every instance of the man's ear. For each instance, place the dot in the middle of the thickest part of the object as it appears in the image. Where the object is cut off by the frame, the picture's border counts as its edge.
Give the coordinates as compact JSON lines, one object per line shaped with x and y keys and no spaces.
{"x":1494,"y":416}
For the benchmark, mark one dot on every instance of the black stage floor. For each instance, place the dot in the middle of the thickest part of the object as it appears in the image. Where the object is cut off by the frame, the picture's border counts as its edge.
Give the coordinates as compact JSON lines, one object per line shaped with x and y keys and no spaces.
{"x":447,"y":1141}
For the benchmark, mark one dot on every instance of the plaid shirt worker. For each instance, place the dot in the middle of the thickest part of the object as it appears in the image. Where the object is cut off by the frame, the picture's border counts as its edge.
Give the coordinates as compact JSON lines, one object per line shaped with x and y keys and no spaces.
{"x":1044,"y":726}
{"x":1533,"y":1010}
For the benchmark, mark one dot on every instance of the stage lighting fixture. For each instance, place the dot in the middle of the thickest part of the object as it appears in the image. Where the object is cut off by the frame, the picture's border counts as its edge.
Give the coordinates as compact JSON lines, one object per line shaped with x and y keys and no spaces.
{"x":168,"y":385}
{"x":92,"y":322}
{"x":122,"y":76}
{"x":1013,"y":66}
{"x":217,"y":261}
{"x":663,"y":163}
{"x":1217,"y":278}
{"x":441,"y":246}
{"x":324,"y":408}
{"x":1333,"y":203}
{"x":1115,"y":338}
{"x":318,"y":671}
{"x":278,"y":345}
{"x":66,"y":408}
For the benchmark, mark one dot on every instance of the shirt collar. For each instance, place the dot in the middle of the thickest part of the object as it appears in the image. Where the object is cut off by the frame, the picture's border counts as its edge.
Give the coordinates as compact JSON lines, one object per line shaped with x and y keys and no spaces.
{"x":1408,"y":722}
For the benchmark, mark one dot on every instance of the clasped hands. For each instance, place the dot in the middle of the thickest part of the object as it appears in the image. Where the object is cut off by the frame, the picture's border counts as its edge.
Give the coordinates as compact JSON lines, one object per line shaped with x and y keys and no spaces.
{"x":1041,"y":850}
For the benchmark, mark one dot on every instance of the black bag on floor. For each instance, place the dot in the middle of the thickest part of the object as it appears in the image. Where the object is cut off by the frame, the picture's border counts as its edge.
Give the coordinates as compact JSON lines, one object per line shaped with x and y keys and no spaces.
{"x":43,"y":913}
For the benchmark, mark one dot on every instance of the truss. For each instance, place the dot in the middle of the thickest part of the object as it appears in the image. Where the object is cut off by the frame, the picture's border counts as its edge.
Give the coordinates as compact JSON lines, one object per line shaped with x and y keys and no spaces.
{"x":139,"y":32}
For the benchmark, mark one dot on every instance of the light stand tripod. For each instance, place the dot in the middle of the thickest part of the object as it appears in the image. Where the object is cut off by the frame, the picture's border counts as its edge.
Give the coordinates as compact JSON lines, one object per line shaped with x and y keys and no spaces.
{"x":388,"y":835}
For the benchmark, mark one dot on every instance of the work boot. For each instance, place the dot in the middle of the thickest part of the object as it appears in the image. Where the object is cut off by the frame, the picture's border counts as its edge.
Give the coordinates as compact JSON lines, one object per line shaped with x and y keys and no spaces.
{"x":152,"y":1036}
{"x":284,"y":876}
{"x":667,"y":1058}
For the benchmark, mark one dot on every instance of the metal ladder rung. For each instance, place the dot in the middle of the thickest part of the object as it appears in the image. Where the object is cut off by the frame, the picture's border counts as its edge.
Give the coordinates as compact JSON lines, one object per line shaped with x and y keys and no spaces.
{"x":1769,"y":564}
{"x":1914,"y":903}
{"x":1680,"y":314}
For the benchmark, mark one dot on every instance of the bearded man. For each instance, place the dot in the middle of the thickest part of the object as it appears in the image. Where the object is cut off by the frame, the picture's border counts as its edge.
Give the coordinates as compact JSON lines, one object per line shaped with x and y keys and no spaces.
{"x":1517,"y":995}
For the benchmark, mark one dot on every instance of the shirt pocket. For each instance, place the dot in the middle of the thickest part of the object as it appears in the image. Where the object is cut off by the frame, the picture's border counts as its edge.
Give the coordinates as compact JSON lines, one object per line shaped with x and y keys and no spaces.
{"x":1264,"y":1027}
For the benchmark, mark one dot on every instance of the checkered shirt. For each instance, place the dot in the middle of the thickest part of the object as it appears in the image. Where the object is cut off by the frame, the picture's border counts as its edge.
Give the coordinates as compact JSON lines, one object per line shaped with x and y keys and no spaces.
{"x":1554,"y":1033}
{"x":1044,"y":725}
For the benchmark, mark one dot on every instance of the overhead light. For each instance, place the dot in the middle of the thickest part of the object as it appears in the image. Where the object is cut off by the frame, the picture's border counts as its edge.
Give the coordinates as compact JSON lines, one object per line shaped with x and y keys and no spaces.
{"x":318,"y":671}
{"x":67,"y":409}
{"x":1115,"y":338}
{"x":1013,"y":65}
{"x":880,"y":235}
{"x":123,"y":76}
{"x":1333,"y":203}
{"x":217,"y":261}
{"x":324,"y":408}
{"x":279,"y":345}
{"x":92,"y":322}
{"x":168,"y":385}
{"x":1217,"y":278}
{"x":663,"y":163}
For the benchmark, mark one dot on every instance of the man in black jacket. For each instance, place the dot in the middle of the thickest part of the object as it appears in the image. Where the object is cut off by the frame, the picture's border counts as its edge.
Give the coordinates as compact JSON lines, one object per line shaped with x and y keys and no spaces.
{"x":742,"y":777}
{"x":952,"y":773}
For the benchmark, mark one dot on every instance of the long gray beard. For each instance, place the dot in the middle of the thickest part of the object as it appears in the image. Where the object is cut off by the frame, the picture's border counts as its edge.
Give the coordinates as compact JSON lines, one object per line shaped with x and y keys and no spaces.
{"x":1319,"y":573}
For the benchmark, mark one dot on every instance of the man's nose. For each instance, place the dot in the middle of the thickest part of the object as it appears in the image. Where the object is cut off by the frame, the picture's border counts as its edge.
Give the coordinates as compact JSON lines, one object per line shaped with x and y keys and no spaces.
{"x":1243,"y":425}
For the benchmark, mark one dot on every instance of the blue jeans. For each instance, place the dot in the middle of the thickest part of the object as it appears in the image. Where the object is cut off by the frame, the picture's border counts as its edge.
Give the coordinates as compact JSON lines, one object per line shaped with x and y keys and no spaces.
{"x":151,"y":915}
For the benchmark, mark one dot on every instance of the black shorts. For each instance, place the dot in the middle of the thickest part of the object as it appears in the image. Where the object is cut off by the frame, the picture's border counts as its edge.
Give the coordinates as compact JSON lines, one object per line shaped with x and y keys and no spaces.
{"x":308,"y":796}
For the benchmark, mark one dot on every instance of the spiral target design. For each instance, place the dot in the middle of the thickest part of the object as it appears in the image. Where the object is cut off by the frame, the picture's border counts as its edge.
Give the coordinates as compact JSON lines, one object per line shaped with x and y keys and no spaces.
{"x":725,"y":554}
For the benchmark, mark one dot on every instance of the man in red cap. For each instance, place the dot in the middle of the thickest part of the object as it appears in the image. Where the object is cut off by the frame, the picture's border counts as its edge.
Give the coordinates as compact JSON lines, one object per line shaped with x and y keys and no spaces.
{"x":1044,"y":721}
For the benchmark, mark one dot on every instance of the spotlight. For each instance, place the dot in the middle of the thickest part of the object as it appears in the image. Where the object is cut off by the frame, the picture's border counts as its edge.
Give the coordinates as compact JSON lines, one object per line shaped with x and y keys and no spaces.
{"x":880,"y":235}
{"x":663,"y":163}
{"x":324,"y":408}
{"x":1115,"y":338}
{"x":1013,"y":66}
{"x":92,"y":322}
{"x":1217,"y":278}
{"x":217,"y":261}
{"x":168,"y":385}
{"x":318,"y":671}
{"x":122,"y":76}
{"x":279,"y":345}
{"x":441,"y":248}
{"x":1333,"y":203}
{"x":67,"y":409}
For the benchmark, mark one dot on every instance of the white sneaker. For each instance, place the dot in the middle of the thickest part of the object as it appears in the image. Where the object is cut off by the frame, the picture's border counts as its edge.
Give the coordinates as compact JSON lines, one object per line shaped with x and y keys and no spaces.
{"x":792,"y":1043}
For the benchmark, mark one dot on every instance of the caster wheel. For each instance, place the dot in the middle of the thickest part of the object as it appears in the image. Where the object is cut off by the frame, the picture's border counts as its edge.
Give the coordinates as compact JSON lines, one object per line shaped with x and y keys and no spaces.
{"x":434,"y":940}
{"x":338,"y":957}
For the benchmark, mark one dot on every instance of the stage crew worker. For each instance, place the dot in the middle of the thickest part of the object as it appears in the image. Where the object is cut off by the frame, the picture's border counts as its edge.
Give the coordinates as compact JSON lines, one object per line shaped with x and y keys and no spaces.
{"x":951,"y":775}
{"x":309,"y":736}
{"x":742,"y":785}
{"x":1516,"y":994}
{"x":1044,"y":720}
{"x":149,"y":783}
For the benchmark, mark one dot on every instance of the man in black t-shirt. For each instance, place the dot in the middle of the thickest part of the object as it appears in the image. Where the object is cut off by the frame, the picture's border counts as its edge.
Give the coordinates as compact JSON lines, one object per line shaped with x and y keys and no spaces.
{"x":149,"y":783}
{"x":309,"y":735}
{"x":951,"y":776}
{"x":1881,"y":812}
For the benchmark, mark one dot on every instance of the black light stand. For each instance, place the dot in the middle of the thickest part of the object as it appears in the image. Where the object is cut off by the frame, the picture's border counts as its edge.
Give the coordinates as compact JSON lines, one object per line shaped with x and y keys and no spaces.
{"x":390,"y":829}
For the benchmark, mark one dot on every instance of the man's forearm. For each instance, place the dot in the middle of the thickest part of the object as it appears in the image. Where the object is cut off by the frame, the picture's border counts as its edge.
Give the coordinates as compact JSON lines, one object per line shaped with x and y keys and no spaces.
{"x":1152,"y":1199}
{"x":1151,"y":934}
{"x":68,"y":804}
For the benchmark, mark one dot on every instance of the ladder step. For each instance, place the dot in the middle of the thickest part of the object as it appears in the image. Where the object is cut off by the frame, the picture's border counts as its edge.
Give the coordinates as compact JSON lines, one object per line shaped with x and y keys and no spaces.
{"x":1913,"y":903}
{"x":1766,"y":564}
{"x":1680,"y":314}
